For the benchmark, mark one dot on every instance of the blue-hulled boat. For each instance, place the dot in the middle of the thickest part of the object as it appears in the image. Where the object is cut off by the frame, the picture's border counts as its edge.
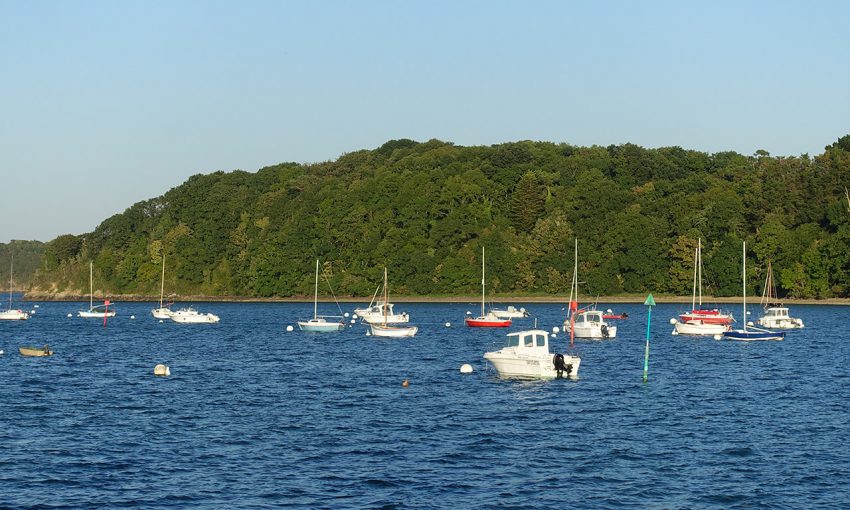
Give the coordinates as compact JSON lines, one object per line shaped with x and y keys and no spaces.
{"x":750,"y":333}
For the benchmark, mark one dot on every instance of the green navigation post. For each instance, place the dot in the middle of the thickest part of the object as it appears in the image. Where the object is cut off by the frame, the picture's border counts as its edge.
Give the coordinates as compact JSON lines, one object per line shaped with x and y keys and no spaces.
{"x":650,"y":302}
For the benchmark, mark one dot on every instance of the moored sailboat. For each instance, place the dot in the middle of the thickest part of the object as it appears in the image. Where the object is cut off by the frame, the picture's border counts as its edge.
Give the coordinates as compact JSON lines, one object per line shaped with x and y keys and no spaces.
{"x":384,"y":329}
{"x":12,"y":314}
{"x":699,"y":321}
{"x":750,"y":333}
{"x":775,"y":315}
{"x":319,"y":324}
{"x":489,"y":319}
{"x":99,"y":311}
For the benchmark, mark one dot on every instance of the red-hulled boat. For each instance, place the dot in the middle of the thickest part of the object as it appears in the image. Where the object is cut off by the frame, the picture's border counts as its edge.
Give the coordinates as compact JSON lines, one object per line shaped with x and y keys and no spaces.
{"x":714,"y":316}
{"x":487,"y":321}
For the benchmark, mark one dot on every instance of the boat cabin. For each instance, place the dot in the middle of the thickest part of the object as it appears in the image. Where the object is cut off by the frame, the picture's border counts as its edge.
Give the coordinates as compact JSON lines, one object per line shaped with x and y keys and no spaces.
{"x":531,"y":341}
{"x":776,"y":312}
{"x":590,"y":316}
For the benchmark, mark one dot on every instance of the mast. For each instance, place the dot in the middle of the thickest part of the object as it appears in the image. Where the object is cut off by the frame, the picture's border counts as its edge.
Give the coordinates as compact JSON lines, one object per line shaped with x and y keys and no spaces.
{"x":162,"y":286}
{"x":694,"y":287}
{"x":744,"y":277}
{"x":699,"y":251}
{"x":316,"y":293}
{"x":386,"y":296}
{"x":574,"y":295}
{"x":11,"y":267}
{"x":91,"y":285}
{"x":482,"y":281}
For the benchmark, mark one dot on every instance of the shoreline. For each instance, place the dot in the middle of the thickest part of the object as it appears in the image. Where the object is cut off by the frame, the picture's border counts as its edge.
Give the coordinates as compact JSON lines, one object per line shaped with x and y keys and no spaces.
{"x":709,"y":302}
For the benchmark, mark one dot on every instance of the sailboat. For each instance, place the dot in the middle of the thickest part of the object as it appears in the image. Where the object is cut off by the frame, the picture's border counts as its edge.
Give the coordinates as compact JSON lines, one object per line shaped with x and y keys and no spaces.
{"x":99,"y":311}
{"x":775,"y":315}
{"x":697,"y":321}
{"x":163,"y":312}
{"x":697,"y":313}
{"x":319,"y":324}
{"x":384,"y":329}
{"x":486,"y":320}
{"x":12,"y":314}
{"x":751,"y":333}
{"x":585,"y":323}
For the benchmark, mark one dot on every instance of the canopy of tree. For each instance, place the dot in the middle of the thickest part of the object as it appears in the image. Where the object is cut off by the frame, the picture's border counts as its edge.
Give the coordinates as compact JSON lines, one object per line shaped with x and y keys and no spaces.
{"x":425,"y":209}
{"x":26,"y":256}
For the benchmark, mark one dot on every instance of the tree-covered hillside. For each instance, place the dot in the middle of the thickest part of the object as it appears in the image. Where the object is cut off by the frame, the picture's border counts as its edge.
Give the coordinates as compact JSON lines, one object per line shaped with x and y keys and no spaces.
{"x":25,"y":256}
{"x":426,"y":209}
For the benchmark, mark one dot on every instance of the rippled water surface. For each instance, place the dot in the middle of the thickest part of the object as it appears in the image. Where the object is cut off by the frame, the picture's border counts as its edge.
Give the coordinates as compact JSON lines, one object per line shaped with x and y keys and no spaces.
{"x":254,"y":416}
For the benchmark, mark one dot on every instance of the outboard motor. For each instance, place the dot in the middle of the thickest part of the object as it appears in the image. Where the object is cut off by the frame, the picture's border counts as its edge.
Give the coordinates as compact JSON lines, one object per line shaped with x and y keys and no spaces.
{"x":561,"y":366}
{"x":604,"y":330}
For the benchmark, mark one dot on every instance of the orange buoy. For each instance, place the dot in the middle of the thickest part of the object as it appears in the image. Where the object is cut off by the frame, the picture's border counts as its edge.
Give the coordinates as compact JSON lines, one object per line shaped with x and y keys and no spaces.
{"x":405,"y":383}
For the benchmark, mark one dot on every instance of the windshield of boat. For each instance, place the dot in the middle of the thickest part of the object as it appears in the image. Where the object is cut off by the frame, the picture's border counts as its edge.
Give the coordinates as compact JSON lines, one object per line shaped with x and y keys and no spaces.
{"x":512,"y":341}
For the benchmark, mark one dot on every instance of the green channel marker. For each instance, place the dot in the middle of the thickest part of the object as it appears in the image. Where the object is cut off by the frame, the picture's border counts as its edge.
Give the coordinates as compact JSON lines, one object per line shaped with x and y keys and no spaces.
{"x":650,"y":302}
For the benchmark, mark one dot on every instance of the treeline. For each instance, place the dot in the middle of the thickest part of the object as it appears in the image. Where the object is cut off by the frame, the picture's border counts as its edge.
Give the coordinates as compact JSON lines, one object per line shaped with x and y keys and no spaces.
{"x":22,"y":257}
{"x":426,"y":209}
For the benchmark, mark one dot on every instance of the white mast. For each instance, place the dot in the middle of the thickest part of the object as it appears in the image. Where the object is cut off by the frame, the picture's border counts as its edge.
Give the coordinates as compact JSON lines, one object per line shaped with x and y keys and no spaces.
{"x":482,"y":281}
{"x":162,"y":286}
{"x":696,"y":266}
{"x":744,"y":278}
{"x":699,"y":250}
{"x":91,"y":285}
{"x":316,"y":293}
{"x":386,"y":296}
{"x":11,"y":267}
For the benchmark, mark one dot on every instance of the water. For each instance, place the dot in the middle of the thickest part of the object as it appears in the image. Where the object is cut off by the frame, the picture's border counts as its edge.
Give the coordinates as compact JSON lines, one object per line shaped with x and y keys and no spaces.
{"x":257,"y":417}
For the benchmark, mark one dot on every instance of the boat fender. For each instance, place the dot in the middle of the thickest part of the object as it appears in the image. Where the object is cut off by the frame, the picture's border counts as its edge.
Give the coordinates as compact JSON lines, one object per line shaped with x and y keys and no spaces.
{"x":604,"y":331}
{"x":558,"y":361}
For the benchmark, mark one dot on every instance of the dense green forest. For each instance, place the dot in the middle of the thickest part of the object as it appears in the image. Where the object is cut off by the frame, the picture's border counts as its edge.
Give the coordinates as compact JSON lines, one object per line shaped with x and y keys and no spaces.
{"x":26,"y":256}
{"x":426,"y":209}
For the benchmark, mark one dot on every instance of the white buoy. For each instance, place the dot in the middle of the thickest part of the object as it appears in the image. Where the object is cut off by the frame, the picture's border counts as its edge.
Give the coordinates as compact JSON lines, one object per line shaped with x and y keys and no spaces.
{"x":161,"y":370}
{"x":35,"y":306}
{"x":554,"y":335}
{"x":354,"y":316}
{"x":466,"y":368}
{"x":468,"y":312}
{"x":368,"y":333}
{"x":673,"y":321}
{"x":345,"y":314}
{"x":69,"y":315}
{"x":32,"y":312}
{"x":161,"y":321}
{"x":749,"y":312}
{"x":750,"y":323}
{"x":132,"y":317}
{"x":353,"y":321}
{"x":675,"y":333}
{"x":1,"y":352}
{"x":448,"y":324}
{"x":556,"y":329}
{"x":290,"y":328}
{"x":718,"y":337}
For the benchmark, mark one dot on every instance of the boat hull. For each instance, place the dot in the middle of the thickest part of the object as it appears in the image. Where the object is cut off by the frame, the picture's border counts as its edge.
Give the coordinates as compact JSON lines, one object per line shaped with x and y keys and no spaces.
{"x":696,"y":328}
{"x":737,"y":334}
{"x":161,"y":313}
{"x":94,"y":315}
{"x":14,"y":315}
{"x":320,"y":326}
{"x":487,"y":322}
{"x":707,"y":317}
{"x":594,"y":332}
{"x":36,"y":352}
{"x":784,"y":323}
{"x":517,"y":366}
{"x":399,"y":318}
{"x":393,"y":331}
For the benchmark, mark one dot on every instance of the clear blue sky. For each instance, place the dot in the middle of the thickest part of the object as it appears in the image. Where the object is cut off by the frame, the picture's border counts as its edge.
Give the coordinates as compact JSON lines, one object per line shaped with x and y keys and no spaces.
{"x":105,"y":103}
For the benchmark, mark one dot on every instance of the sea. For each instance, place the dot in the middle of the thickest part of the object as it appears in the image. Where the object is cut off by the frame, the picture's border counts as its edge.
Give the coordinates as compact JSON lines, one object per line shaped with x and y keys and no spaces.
{"x":256,"y":416}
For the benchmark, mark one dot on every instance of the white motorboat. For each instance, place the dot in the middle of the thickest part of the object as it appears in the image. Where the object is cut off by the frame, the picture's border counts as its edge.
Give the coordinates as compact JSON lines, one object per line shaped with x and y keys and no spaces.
{"x":383,"y":328}
{"x":99,"y":311}
{"x":383,"y":312}
{"x":163,"y":312}
{"x":12,"y":314}
{"x":590,"y":324}
{"x":319,"y":324}
{"x":192,"y":316}
{"x":776,"y":315}
{"x":510,"y":313}
{"x":585,"y":323}
{"x":697,"y":327}
{"x":526,"y":355}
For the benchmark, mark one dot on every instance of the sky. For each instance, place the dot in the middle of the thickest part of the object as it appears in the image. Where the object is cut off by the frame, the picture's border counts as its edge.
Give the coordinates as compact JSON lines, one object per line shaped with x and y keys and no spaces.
{"x":104,"y":104}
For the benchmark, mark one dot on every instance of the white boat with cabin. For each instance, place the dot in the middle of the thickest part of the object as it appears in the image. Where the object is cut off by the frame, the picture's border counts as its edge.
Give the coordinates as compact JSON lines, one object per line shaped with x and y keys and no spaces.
{"x":163,"y":312}
{"x":384,"y":329}
{"x":192,"y":316}
{"x":510,"y":313}
{"x":526,"y":355}
{"x":776,"y":316}
{"x":319,"y":324}
{"x":586,"y":323}
{"x":12,"y":314}
{"x":99,"y":311}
